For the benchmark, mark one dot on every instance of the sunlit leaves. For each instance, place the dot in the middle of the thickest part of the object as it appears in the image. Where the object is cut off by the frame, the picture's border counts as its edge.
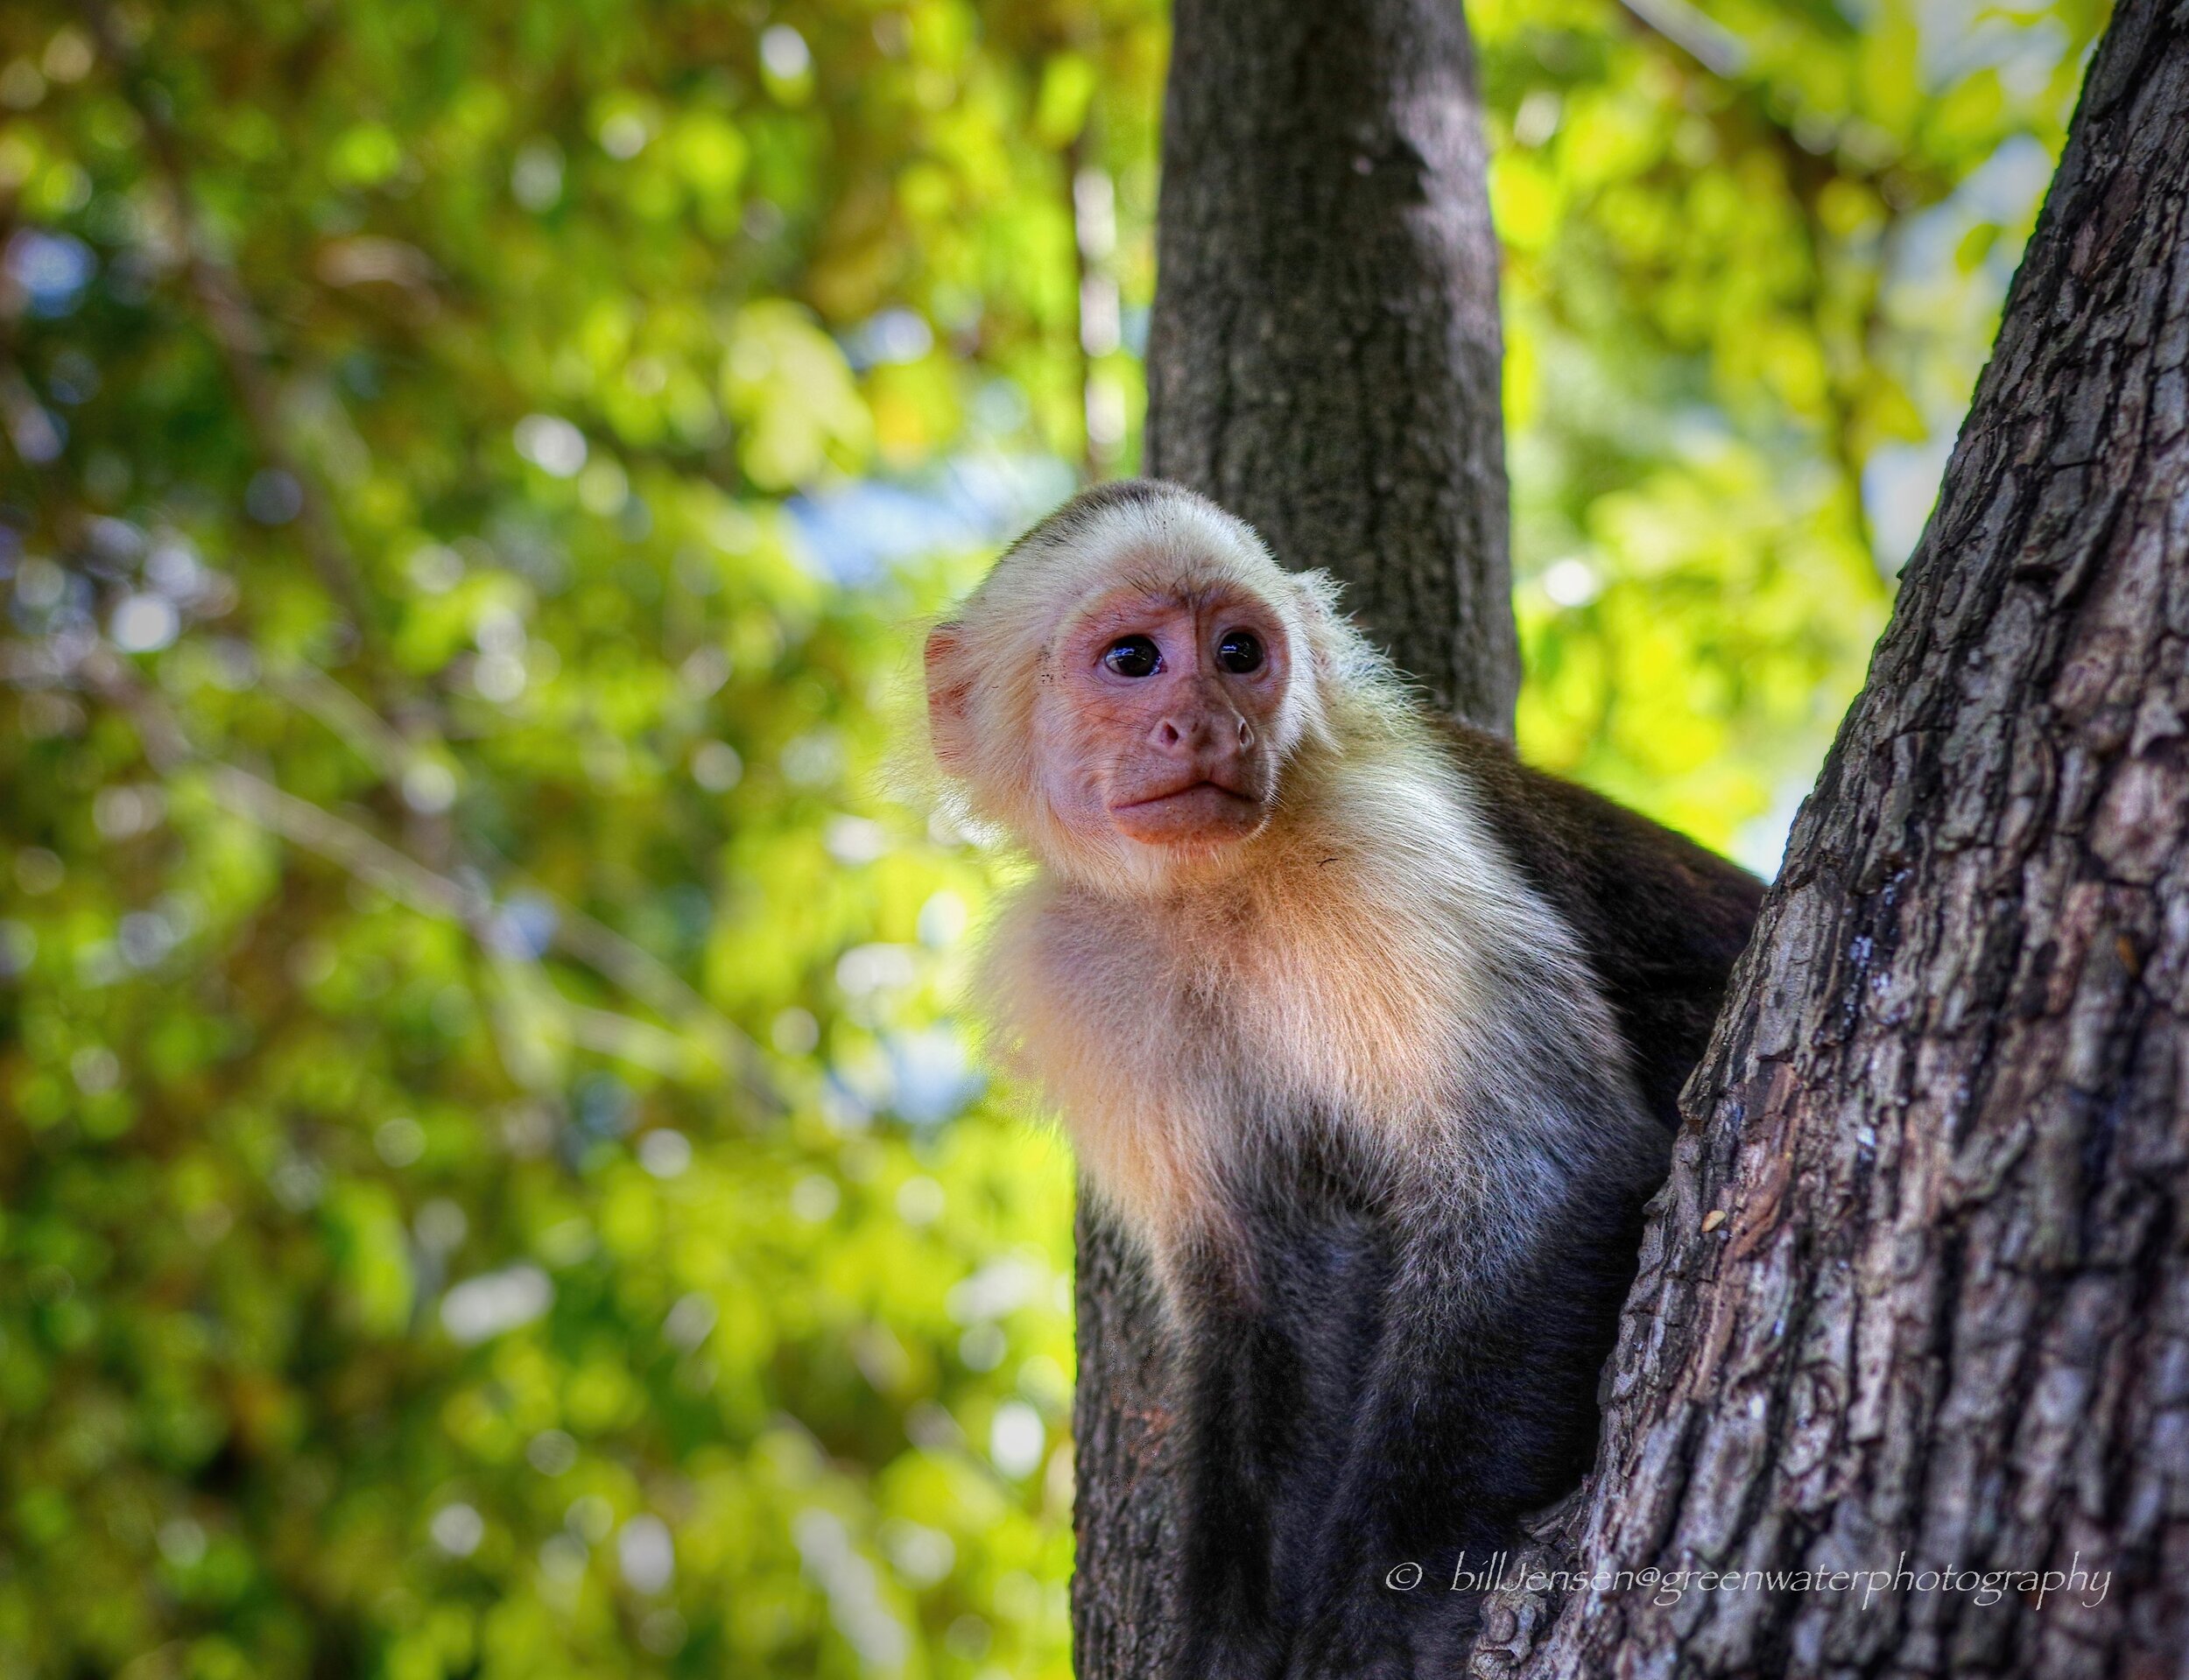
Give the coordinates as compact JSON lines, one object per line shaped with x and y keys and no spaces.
{"x":1753,"y":260}
{"x":787,"y":387}
{"x":399,"y":1264}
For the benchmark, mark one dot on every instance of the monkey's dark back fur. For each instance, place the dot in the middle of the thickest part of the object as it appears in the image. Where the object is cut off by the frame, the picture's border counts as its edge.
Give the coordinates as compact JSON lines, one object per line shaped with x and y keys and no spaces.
{"x":1661,"y":917}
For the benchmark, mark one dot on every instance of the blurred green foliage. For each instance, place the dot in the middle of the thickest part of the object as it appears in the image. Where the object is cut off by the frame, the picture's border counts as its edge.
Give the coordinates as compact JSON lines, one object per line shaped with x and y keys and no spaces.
{"x":490,"y":1182}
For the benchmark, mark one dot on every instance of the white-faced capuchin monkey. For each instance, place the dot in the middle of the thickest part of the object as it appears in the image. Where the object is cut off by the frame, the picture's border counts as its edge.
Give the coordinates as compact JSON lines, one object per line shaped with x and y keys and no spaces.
{"x":1371,"y":1036}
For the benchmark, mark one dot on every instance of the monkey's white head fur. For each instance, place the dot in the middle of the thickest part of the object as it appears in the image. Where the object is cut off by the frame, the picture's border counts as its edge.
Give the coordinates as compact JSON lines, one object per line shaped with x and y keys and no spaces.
{"x":1358,"y":960}
{"x":991,"y":667}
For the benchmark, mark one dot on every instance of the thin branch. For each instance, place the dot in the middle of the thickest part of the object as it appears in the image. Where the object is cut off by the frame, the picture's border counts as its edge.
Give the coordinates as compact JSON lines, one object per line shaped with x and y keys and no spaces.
{"x":360,"y":729}
{"x":637,"y":972}
{"x":639,"y":1042}
{"x":1699,"y":36}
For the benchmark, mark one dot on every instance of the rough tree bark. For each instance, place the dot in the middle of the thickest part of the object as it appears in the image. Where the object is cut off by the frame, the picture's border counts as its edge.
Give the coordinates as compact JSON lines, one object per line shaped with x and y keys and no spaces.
{"x":1917,"y":1294}
{"x":1324,"y":361}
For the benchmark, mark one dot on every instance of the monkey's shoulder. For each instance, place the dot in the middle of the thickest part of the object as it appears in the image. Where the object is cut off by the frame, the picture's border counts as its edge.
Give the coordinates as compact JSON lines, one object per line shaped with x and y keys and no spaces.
{"x":1662,"y":919}
{"x":1576,"y":844}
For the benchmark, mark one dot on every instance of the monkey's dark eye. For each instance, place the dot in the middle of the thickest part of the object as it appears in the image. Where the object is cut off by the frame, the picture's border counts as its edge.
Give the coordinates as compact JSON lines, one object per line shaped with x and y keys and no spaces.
{"x":1133,"y":656}
{"x":1240,"y":652}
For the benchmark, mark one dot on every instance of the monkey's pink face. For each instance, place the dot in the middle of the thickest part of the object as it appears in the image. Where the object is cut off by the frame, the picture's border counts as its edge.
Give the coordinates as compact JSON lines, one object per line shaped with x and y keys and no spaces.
{"x":1158,"y":719}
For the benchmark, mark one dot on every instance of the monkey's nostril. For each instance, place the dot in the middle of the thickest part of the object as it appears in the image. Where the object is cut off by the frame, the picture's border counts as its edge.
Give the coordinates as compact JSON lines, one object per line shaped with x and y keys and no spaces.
{"x":1246,"y":734}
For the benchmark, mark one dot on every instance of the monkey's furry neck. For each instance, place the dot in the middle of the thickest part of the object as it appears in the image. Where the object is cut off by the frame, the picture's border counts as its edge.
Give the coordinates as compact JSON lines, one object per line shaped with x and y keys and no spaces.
{"x":1380,"y":965}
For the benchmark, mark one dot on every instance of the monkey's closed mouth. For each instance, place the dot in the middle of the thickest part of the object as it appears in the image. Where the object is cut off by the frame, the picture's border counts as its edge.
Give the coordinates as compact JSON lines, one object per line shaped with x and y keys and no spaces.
{"x":1191,"y":790}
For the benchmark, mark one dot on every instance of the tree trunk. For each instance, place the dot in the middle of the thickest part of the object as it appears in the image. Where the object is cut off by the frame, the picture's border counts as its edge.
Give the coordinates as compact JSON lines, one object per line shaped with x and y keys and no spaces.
{"x":1916,"y":1299}
{"x":1325,"y":356}
{"x":1325,"y":363}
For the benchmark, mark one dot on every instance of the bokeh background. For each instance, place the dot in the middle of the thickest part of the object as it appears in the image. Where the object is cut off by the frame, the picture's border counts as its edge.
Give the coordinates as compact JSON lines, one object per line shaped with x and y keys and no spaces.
{"x":491,"y":1182}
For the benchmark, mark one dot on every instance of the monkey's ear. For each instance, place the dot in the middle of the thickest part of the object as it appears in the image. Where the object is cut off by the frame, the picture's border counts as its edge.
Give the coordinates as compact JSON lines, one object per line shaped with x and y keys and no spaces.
{"x":949,"y":694}
{"x":1317,"y":593}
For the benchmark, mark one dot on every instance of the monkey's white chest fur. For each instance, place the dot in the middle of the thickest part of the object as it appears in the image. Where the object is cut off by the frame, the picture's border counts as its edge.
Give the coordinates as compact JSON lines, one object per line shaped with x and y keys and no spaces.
{"x":1380,"y":969}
